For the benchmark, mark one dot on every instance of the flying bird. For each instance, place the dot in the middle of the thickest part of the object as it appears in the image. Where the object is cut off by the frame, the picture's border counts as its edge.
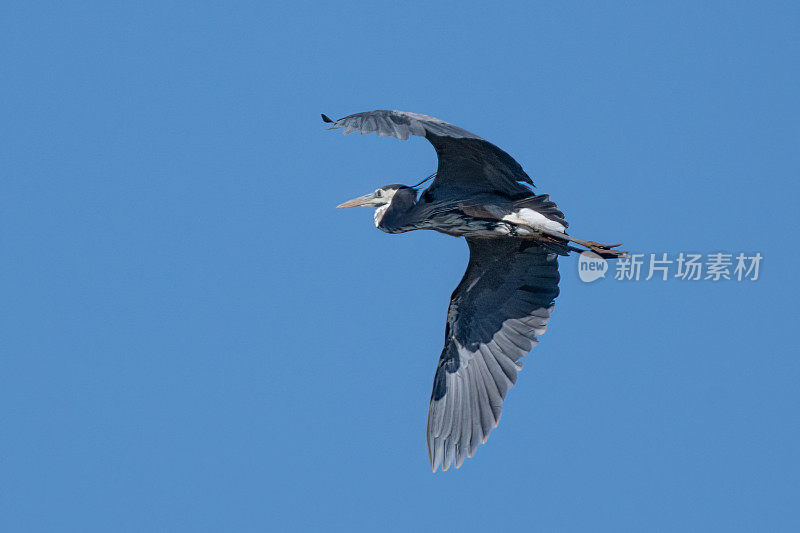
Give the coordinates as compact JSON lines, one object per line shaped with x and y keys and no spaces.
{"x":505,"y":299}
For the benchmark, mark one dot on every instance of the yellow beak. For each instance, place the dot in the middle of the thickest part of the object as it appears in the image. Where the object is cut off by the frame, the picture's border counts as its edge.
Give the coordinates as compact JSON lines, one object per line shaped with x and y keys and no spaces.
{"x":355,"y":202}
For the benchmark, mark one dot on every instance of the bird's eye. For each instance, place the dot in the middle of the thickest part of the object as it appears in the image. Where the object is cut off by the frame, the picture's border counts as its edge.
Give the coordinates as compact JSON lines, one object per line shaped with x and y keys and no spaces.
{"x":378,"y":194}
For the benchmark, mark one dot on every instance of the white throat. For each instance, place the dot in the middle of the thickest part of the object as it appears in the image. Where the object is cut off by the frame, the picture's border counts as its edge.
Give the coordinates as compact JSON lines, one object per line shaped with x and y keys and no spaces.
{"x":388,"y":195}
{"x":379,"y":214}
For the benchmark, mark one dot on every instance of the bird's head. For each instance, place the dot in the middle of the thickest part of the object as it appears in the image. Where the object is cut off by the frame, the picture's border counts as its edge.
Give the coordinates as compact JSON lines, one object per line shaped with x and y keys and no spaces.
{"x":395,"y":199}
{"x":380,"y":197}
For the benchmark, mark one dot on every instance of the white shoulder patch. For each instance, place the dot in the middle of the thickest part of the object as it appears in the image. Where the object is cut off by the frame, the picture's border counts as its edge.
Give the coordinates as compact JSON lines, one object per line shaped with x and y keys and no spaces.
{"x":534,"y":219}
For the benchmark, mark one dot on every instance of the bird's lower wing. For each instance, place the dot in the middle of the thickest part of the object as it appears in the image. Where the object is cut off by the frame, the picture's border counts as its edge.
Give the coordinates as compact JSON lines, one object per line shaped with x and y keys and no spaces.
{"x":503,"y":302}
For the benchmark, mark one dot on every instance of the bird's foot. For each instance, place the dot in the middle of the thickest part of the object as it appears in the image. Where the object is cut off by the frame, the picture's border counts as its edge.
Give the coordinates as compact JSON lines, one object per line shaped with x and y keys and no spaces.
{"x":605,"y":250}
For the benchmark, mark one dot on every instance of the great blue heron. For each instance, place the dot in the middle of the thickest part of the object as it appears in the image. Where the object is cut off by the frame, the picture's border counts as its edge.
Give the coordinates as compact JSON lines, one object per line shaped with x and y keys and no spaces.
{"x":507,"y":293}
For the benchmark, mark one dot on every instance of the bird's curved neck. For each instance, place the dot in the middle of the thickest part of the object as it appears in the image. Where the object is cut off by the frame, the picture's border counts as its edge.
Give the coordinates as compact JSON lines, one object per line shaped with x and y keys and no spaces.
{"x":396,"y":216}
{"x":380,"y":213}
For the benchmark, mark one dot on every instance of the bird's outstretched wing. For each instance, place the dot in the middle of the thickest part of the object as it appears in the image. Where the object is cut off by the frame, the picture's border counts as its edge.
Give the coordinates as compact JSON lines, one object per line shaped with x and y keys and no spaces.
{"x":467,"y":163}
{"x":503,"y":302}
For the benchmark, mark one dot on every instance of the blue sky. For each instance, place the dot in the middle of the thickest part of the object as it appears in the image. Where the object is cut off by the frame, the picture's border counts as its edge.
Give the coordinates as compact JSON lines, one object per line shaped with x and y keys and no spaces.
{"x":194,"y":339}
